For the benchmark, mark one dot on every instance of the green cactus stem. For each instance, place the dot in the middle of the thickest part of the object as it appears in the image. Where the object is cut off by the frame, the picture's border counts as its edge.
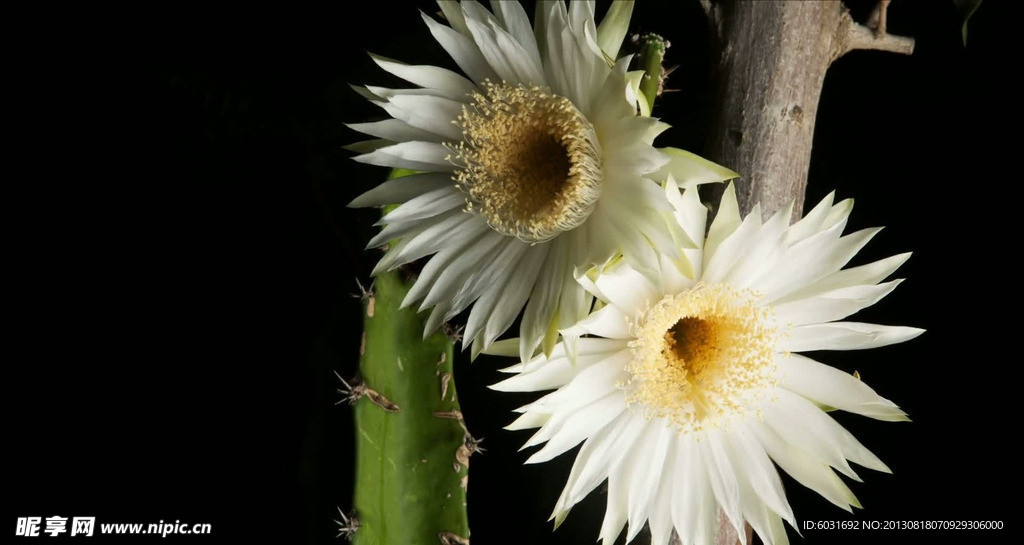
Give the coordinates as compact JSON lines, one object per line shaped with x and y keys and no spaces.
{"x":650,"y":55}
{"x":412,"y":448}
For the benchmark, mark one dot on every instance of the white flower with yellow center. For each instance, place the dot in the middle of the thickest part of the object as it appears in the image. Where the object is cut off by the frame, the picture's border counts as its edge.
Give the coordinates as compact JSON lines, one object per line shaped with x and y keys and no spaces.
{"x":532,"y":165}
{"x":685,"y":391}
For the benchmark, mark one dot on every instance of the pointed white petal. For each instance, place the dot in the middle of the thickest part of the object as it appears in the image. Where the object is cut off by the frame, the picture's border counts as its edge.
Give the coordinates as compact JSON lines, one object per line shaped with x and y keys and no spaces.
{"x":627,"y":289}
{"x":845,"y":336}
{"x":578,"y":426}
{"x":722,"y":478}
{"x":394,"y":130}
{"x":806,"y":470}
{"x":832,"y":387}
{"x":691,"y":170}
{"x":505,"y":56}
{"x":400,"y":190}
{"x":394,"y":231}
{"x":832,"y":305}
{"x":426,"y":205}
{"x":430,"y":113}
{"x":821,"y":434}
{"x":495,"y":276}
{"x":608,"y":322}
{"x":447,"y":82}
{"x":811,"y":223}
{"x":726,"y":221}
{"x":513,"y":18}
{"x":643,"y":490}
{"x":591,"y":467}
{"x":539,"y":316}
{"x":555,"y":372}
{"x":755,"y":469}
{"x":410,"y":155}
{"x":872,"y":273}
{"x":516,"y":292}
{"x":462,"y":50}
{"x":452,"y":11}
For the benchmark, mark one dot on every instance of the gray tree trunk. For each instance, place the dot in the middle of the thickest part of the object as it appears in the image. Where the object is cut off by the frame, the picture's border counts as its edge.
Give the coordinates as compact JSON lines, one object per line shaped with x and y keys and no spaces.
{"x":769,"y":60}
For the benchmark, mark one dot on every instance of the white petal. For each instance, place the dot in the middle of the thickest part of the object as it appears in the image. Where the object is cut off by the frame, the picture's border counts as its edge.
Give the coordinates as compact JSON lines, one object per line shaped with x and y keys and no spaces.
{"x":832,"y":387}
{"x":459,"y":267}
{"x":722,"y":478}
{"x":528,"y":420}
{"x":538,"y":318}
{"x":693,"y":502}
{"x":691,"y":170}
{"x":832,"y":305}
{"x":872,"y":273}
{"x":591,"y":465}
{"x":608,"y":322}
{"x":619,"y":480}
{"x":516,"y":292}
{"x":426,"y":205}
{"x":578,"y":426}
{"x":504,"y":250}
{"x":717,"y":264}
{"x":643,"y":490}
{"x":452,"y":11}
{"x":394,"y":130}
{"x":400,"y":190}
{"x":452,"y":238}
{"x":492,"y":280}
{"x":508,"y":59}
{"x":589,"y":383}
{"x":811,"y":223}
{"x":826,"y":260}
{"x":454,"y":244}
{"x":430,"y":113}
{"x":765,"y":249}
{"x":462,"y":50}
{"x":627,"y":289}
{"x":410,"y":155}
{"x":805,"y":469}
{"x":818,"y":433}
{"x":394,"y":231}
{"x":726,"y":221}
{"x":513,"y":18}
{"x":845,"y":336}
{"x":554,"y":372}
{"x":431,"y":77}
{"x":756,"y":470}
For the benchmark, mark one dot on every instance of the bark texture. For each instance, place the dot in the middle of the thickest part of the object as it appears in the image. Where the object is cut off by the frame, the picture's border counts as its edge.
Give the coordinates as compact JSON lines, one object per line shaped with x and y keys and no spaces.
{"x":769,"y":60}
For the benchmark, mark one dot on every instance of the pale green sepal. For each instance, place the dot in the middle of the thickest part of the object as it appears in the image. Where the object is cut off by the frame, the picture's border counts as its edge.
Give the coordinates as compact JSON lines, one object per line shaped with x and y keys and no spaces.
{"x":691,"y":170}
{"x":504,"y":347}
{"x":613,"y":28}
{"x":633,"y":93}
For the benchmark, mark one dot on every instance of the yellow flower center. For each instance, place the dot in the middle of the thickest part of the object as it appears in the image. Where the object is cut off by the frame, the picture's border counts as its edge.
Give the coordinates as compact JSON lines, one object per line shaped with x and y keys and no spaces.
{"x":529,"y":162}
{"x":701,"y":354}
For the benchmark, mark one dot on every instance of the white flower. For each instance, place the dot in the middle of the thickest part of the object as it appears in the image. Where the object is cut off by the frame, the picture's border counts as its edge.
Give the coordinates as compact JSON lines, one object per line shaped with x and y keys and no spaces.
{"x":684,"y":392}
{"x":535,"y":165}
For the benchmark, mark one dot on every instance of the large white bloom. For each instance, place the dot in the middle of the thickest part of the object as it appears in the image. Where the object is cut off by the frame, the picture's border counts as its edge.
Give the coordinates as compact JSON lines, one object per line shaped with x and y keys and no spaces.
{"x":534,"y":164}
{"x":684,"y":392}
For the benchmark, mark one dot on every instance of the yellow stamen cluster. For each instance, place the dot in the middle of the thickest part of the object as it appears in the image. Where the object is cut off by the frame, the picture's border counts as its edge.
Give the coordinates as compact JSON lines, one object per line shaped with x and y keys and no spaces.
{"x":529,"y":162}
{"x":700,"y":354}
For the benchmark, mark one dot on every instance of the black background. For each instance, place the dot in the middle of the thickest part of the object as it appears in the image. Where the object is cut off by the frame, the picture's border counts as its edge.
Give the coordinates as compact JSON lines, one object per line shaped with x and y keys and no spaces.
{"x":180,"y":262}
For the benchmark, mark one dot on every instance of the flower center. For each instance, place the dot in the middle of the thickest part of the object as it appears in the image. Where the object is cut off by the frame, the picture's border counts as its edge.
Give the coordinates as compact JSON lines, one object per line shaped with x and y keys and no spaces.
{"x":529,"y":162}
{"x":701,"y":354}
